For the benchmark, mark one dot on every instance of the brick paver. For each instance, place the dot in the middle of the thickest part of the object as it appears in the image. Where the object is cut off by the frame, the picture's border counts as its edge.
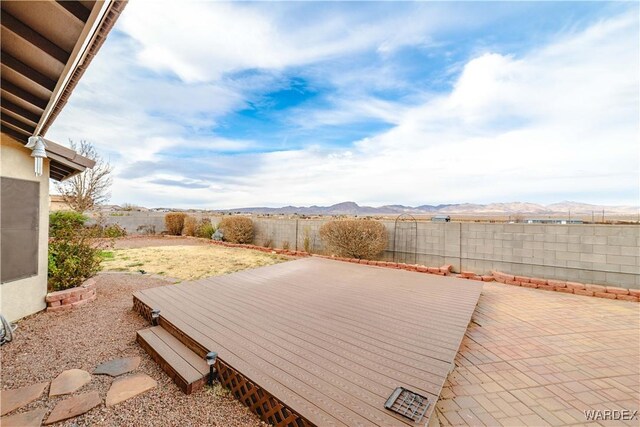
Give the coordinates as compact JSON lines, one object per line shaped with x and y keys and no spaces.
{"x":533,"y":358}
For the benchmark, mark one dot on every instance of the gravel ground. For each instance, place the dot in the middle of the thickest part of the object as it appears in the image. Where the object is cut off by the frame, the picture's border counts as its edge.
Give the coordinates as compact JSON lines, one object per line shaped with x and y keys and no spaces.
{"x":48,"y":343}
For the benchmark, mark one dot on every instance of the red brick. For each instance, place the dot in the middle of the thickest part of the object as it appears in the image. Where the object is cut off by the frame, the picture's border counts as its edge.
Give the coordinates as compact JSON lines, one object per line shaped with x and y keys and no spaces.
{"x":628,"y":298}
{"x":446,"y":268}
{"x":81,"y":303}
{"x":604,"y":295}
{"x":70,"y":300}
{"x":56,"y":296}
{"x":564,"y":290}
{"x":529,"y":285}
{"x":545,"y":287}
{"x":618,"y":291}
{"x":582,"y":292}
{"x":422,"y":269}
{"x":522,"y":279}
{"x":559,"y":284}
{"x":433,"y":270}
{"x":511,"y":282}
{"x":488,"y":278}
{"x":467,"y":273}
{"x":53,"y":303}
{"x":411,"y":268}
{"x":500,"y":279}
{"x":539,"y":281}
{"x":575,"y":286}
{"x":634,"y":292}
{"x":595,"y":288}
{"x":503,"y":275}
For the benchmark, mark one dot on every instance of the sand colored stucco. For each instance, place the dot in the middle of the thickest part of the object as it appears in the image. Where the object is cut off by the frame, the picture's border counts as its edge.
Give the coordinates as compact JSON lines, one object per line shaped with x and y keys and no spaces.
{"x":23,"y":297}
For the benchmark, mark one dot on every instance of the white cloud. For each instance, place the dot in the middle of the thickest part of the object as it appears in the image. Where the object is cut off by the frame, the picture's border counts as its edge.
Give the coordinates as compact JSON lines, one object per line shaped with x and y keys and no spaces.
{"x":560,"y":119}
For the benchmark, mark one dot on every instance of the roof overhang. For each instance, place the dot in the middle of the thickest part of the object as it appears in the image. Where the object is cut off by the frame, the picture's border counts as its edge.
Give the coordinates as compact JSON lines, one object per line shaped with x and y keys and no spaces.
{"x":46,"y":47}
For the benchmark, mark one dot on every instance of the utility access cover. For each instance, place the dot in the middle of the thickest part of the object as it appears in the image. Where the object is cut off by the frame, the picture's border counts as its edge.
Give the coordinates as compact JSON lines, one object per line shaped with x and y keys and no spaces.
{"x":407,"y":403}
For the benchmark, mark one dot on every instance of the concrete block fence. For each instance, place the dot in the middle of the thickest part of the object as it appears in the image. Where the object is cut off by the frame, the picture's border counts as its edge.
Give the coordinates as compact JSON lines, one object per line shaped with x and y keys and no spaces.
{"x":606,"y":255}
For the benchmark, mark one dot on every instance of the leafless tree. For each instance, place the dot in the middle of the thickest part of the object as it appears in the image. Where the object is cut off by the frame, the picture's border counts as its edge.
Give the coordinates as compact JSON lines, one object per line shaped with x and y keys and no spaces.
{"x":90,"y":187}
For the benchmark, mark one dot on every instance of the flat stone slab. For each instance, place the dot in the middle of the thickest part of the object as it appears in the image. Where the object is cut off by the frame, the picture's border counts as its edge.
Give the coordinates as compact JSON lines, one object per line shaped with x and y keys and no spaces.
{"x":128,"y":387}
{"x":74,"y":406}
{"x":26,"y":419}
{"x":118,"y":366}
{"x":18,"y":397}
{"x":69,"y":381}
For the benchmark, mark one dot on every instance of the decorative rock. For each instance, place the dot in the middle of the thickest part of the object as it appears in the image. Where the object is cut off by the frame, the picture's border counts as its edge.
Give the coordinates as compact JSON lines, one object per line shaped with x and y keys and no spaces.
{"x":17,"y":398}
{"x":128,"y":387}
{"x":26,"y":419}
{"x":74,"y":406}
{"x":69,"y":381}
{"x":118,"y":366}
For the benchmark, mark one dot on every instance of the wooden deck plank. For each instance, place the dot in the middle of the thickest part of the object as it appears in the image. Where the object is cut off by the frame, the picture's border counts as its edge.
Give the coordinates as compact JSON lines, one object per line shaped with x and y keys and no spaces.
{"x":329,"y":339}
{"x":368,"y":323}
{"x":320,"y":334}
{"x":331,"y":381}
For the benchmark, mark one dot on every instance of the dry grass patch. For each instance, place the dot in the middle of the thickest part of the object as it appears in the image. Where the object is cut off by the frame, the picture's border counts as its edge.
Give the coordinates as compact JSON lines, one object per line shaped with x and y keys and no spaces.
{"x":187,"y":262}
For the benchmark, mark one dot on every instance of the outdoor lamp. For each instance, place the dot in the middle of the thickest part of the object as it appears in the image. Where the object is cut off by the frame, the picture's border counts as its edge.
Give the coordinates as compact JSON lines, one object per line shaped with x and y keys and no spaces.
{"x":211,"y":360}
{"x":37,"y":145}
{"x":155,"y":315}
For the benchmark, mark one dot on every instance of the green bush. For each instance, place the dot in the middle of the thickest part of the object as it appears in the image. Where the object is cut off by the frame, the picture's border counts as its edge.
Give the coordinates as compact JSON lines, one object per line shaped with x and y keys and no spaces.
{"x":354,"y":238}
{"x":113,"y":231}
{"x":174,"y":223}
{"x":205,"y":228}
{"x":237,"y":229}
{"x":72,"y":256}
{"x":62,"y":223}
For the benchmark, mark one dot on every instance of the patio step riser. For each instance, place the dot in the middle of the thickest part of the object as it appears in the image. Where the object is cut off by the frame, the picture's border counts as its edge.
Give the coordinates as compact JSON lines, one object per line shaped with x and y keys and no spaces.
{"x":175,"y":358}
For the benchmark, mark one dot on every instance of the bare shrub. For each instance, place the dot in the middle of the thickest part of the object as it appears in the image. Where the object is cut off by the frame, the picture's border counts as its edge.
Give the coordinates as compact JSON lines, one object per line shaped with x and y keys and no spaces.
{"x":174,"y":223}
{"x":190,"y":224}
{"x":286,"y":245}
{"x":237,"y":229}
{"x":354,"y":238}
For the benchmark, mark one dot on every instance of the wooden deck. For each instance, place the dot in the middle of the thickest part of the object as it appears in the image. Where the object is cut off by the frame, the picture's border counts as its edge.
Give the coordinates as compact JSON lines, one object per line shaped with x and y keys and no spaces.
{"x":330,"y":340}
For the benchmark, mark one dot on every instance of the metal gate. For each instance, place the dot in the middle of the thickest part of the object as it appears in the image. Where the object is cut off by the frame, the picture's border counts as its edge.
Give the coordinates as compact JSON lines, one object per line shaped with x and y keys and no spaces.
{"x":405,"y":239}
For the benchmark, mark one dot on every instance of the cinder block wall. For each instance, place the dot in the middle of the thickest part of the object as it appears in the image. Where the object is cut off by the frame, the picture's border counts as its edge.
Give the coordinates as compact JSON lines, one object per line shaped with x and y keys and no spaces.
{"x":600,"y":254}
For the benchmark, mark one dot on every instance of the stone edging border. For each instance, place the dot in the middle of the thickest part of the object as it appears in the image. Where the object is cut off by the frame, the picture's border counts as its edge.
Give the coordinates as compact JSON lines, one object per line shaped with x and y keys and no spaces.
{"x":73,"y":297}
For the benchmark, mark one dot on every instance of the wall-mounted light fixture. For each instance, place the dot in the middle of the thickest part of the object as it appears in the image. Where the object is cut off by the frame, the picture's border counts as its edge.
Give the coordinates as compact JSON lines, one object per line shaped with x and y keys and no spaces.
{"x":38,"y":146}
{"x":155,"y":315}
{"x":211,"y":360}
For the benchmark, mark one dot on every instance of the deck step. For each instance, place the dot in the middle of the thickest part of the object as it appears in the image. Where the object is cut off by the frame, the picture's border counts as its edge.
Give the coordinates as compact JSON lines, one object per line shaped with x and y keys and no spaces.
{"x":187,"y":369}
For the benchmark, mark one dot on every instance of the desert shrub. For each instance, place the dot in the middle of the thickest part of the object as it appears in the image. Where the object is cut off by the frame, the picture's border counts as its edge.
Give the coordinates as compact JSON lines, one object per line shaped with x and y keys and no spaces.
{"x":237,"y":229}
{"x":205,"y":228}
{"x":354,"y":238}
{"x":190,"y":224}
{"x":268,"y":243}
{"x":73,"y":257}
{"x":286,"y":245}
{"x":174,"y":223}
{"x":306,"y":242}
{"x":113,"y":231}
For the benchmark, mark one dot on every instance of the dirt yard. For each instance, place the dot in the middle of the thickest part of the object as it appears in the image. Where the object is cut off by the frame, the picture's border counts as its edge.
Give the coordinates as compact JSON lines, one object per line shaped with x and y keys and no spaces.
{"x":48,"y":343}
{"x":182,"y":258}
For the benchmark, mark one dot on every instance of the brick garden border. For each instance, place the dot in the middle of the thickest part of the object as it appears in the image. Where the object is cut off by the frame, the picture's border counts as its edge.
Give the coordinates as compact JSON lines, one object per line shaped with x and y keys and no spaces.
{"x":73,"y":297}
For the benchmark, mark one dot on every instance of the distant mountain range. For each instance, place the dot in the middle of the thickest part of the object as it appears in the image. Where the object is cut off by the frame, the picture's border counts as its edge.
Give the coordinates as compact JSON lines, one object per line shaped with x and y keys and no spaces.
{"x":352,"y":208}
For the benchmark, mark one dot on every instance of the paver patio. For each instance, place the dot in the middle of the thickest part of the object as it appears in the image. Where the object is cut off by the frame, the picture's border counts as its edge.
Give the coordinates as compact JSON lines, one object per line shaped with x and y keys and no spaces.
{"x":533,"y":357}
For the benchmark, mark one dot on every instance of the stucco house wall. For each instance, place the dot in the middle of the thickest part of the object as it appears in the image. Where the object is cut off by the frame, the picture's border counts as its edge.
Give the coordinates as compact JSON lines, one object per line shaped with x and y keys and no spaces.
{"x":19,"y":298}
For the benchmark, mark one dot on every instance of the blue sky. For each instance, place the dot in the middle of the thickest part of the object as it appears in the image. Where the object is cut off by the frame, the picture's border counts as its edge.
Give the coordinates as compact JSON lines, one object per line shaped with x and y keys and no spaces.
{"x":221,"y":105}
